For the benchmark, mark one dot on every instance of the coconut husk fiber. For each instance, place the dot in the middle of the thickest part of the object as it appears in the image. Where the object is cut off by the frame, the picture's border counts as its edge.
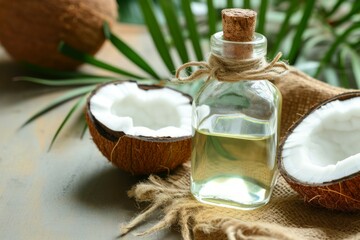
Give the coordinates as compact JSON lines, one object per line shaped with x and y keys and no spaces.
{"x":286,"y":216}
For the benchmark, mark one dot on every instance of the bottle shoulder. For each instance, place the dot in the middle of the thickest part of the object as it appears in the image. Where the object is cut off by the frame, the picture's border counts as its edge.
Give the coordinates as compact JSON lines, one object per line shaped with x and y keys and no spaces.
{"x":245,"y":107}
{"x":241,"y":93}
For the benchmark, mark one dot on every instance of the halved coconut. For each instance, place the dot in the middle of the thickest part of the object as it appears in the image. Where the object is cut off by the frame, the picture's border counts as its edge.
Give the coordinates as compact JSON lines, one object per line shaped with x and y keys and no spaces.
{"x":320,"y":156}
{"x":142,"y":129}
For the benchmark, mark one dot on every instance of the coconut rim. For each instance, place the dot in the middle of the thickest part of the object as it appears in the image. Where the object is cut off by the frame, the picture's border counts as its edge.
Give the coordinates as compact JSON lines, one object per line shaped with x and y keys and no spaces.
{"x":284,"y":173}
{"x":114,"y":136}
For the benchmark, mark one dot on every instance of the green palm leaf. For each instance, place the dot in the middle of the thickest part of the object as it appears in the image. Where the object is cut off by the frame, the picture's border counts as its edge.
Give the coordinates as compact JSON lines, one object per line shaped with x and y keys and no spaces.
{"x":174,"y":28}
{"x":297,"y":41}
{"x":247,"y":4}
{"x":344,"y":78}
{"x":122,"y":47}
{"x":211,"y":17}
{"x":355,"y":63}
{"x":191,"y":26}
{"x":156,"y":34}
{"x":87,"y":58}
{"x":355,"y":8}
{"x":85,"y":127}
{"x":262,"y":16}
{"x":284,"y":28}
{"x":77,"y":105}
{"x":53,"y":73}
{"x":65,"y":82}
{"x":331,"y":51}
{"x":58,"y":101}
{"x":335,"y":8}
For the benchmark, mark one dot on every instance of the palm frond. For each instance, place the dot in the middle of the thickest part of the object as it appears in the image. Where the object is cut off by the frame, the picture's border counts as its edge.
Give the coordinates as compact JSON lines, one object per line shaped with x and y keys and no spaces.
{"x":355,"y":8}
{"x":174,"y":28}
{"x":156,"y":34}
{"x":127,"y":51}
{"x":229,"y":3}
{"x":84,"y":129}
{"x":335,"y":7}
{"x":211,"y":17}
{"x":69,"y":95}
{"x":284,"y":28}
{"x":297,"y":41}
{"x":247,"y":4}
{"x":65,"y":82}
{"x":343,"y":76}
{"x":262,"y":16}
{"x":77,"y":105}
{"x":191,"y":26}
{"x":355,"y":62}
{"x":332,"y":49}
{"x":69,"y":51}
{"x":54,"y":73}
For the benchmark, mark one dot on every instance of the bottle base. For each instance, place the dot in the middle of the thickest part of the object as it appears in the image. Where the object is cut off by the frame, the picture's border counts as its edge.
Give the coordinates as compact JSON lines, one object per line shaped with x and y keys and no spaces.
{"x":231,"y":191}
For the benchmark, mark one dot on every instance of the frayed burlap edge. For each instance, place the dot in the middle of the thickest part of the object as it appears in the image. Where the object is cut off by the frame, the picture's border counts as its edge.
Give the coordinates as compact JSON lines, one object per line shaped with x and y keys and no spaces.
{"x":286,"y":217}
{"x":172,"y":197}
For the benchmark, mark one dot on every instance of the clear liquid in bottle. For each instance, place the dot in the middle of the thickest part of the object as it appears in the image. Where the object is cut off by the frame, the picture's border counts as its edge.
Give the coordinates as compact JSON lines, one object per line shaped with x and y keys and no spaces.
{"x":232,"y":169}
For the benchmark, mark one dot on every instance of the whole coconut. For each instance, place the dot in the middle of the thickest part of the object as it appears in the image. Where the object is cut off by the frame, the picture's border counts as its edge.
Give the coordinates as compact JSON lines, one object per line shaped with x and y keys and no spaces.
{"x":31,"y":30}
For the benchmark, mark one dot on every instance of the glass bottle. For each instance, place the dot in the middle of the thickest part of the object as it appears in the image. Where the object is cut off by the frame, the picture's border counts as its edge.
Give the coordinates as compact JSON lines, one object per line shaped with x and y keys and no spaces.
{"x":235,"y":135}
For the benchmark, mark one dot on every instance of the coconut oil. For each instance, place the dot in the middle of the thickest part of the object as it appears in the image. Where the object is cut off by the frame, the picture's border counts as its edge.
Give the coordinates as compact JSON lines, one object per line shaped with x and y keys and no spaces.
{"x":235,"y":134}
{"x":236,"y":170}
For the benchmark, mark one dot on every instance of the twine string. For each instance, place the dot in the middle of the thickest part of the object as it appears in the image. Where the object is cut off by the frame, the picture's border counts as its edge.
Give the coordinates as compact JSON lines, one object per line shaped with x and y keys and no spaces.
{"x":233,"y":70}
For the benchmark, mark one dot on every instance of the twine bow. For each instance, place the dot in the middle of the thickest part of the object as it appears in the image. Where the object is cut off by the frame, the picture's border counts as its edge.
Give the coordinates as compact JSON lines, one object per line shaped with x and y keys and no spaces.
{"x":233,"y":70}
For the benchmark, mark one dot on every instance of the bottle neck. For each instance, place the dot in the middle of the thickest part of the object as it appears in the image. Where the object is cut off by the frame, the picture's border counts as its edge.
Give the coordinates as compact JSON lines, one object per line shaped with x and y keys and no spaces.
{"x":251,"y":50}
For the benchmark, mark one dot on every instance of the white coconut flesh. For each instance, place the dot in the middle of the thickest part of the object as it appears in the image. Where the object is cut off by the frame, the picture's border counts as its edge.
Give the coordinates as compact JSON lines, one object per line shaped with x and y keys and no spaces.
{"x":325,"y":146}
{"x":127,"y":108}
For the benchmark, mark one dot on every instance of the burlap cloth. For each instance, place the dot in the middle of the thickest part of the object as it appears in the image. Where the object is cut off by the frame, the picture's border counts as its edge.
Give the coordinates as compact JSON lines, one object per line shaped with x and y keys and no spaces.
{"x":286,"y":216}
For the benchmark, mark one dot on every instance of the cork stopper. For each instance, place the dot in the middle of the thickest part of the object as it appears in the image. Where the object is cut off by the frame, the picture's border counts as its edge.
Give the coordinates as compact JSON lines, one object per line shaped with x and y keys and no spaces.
{"x":238,"y":26}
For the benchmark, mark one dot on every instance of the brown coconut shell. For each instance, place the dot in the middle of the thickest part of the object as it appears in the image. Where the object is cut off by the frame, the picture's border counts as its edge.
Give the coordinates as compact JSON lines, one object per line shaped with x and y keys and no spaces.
{"x":138,"y":155}
{"x":340,"y":194}
{"x":31,"y":31}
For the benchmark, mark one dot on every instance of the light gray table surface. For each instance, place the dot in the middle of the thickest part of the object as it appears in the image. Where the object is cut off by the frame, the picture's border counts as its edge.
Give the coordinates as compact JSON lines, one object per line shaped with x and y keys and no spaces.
{"x":70,"y":192}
